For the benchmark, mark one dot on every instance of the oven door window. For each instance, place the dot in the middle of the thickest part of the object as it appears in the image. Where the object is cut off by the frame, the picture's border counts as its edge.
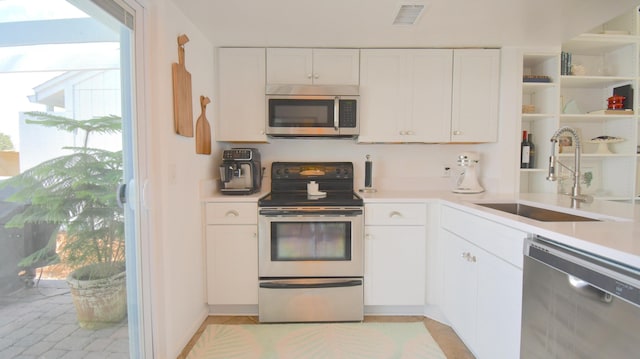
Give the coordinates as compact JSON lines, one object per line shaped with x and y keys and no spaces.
{"x":301,"y":113}
{"x":311,"y":241}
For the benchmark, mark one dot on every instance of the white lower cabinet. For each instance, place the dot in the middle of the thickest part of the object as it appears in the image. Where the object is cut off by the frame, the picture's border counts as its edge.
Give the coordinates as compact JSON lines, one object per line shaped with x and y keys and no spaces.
{"x":394,"y":265}
{"x":499,"y":308}
{"x":395,"y":269}
{"x":460,"y":287}
{"x":232,"y":265}
{"x":232,"y":253}
{"x":482,"y":291}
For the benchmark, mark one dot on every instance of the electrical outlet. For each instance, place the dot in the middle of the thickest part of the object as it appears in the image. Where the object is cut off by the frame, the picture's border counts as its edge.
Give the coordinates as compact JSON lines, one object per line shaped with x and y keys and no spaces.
{"x":446,"y":171}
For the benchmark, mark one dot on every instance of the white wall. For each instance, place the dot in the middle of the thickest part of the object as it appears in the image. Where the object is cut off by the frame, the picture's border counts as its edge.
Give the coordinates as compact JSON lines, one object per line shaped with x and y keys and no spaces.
{"x":178,"y":249}
{"x":176,"y":170}
{"x":178,"y":264}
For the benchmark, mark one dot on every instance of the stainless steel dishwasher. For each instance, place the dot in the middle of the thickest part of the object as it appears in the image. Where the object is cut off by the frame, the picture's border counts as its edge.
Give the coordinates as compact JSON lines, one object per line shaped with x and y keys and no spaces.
{"x":577,"y":304}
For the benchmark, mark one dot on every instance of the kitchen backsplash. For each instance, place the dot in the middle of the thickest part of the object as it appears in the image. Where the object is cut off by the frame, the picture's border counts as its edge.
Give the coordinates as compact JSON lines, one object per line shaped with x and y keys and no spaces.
{"x":395,"y":166}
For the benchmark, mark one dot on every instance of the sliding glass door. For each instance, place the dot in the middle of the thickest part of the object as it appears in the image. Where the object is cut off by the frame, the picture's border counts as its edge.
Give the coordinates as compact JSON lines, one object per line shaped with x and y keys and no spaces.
{"x":71,"y":139}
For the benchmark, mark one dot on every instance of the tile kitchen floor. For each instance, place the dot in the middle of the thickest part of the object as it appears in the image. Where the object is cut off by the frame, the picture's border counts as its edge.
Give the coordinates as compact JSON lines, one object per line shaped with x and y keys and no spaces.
{"x":446,"y":338}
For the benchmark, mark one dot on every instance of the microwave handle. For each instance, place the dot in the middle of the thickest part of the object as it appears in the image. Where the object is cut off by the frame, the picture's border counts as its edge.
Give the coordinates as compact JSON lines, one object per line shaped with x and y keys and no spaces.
{"x":336,"y":113}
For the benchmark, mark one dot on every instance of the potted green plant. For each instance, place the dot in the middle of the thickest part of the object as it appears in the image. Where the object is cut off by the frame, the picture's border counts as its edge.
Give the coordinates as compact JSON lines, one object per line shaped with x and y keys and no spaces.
{"x":77,"y":192}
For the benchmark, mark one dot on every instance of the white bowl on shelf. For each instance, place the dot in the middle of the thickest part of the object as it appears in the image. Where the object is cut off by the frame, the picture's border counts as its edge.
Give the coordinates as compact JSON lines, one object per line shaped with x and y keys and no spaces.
{"x":603,"y":144}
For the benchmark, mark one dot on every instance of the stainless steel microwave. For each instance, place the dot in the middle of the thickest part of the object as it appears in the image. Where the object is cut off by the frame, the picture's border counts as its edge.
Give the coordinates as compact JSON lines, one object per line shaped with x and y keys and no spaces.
{"x":312,"y":111}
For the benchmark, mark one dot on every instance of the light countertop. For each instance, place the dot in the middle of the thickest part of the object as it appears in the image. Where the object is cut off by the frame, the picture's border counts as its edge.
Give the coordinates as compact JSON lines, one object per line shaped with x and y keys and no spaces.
{"x":616,"y":236}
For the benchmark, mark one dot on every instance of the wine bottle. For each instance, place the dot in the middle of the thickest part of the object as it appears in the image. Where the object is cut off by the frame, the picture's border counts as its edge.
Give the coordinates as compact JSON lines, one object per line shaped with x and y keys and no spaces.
{"x":525,"y":151}
{"x":532,"y":152}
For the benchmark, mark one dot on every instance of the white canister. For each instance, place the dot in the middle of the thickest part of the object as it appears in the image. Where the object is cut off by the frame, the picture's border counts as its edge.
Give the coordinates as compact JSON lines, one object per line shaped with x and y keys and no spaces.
{"x":312,"y":187}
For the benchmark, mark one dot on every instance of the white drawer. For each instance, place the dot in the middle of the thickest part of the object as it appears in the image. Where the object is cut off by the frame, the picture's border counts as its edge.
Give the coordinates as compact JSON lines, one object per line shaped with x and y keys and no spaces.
{"x":390,"y":214}
{"x":231,"y":213}
{"x":505,"y":242}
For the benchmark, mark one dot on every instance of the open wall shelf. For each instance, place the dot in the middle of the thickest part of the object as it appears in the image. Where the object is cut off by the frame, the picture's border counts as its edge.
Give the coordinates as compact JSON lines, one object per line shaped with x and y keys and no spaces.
{"x":602,"y":59}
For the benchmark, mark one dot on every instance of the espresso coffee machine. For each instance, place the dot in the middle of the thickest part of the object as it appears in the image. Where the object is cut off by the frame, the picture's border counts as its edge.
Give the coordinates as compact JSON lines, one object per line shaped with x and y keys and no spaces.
{"x":240,"y":171}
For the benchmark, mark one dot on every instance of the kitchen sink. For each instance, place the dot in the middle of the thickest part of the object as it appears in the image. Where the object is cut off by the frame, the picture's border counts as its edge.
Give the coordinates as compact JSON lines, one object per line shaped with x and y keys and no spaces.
{"x":537,"y":213}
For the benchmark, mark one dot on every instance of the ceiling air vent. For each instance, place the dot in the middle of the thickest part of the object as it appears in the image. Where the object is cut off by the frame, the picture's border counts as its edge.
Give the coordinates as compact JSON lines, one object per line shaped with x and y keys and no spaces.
{"x":408,"y":14}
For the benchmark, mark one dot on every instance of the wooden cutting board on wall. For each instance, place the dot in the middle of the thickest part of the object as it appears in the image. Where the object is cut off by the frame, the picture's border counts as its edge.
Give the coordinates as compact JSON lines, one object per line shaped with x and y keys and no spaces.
{"x":182,"y":106}
{"x":203,"y":130}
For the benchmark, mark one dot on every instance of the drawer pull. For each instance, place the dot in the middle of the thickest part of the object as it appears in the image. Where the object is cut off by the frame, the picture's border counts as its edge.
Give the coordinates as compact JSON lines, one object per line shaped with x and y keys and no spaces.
{"x":395,"y":214}
{"x":232,"y":213}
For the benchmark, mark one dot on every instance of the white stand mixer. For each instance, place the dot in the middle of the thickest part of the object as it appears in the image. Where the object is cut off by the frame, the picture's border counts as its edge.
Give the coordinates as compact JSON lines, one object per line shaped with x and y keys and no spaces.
{"x":468,"y":179}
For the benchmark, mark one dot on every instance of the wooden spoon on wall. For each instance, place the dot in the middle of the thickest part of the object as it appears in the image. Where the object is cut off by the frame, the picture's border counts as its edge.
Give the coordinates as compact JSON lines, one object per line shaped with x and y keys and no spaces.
{"x":203,"y":130}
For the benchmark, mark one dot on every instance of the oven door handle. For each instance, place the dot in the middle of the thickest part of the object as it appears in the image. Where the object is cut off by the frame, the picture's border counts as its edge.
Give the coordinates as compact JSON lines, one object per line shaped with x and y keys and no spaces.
{"x":310,"y":212}
{"x":304,"y":285}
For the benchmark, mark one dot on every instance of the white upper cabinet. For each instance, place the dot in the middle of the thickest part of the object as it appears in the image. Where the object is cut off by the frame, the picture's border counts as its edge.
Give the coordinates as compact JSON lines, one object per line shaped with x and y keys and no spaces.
{"x":429,"y":95}
{"x":302,"y":66}
{"x":241,"y":101}
{"x":405,"y":95}
{"x":476,"y":91}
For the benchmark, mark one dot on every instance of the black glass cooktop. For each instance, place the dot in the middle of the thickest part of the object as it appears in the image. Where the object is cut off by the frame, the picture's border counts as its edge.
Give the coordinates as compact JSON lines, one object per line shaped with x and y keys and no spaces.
{"x":289,"y":184}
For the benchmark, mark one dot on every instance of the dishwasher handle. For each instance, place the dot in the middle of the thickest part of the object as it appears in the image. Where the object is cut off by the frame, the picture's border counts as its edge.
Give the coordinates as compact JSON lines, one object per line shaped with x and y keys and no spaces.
{"x":591,"y":275}
{"x":586,"y":289}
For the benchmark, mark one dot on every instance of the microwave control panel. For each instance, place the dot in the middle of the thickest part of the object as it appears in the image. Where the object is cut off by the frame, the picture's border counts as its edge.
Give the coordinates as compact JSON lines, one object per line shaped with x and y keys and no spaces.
{"x":348,"y":113}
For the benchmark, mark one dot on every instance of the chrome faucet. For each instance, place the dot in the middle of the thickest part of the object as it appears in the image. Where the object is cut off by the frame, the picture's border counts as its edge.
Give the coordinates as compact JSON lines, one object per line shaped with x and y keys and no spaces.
{"x":575,"y":190}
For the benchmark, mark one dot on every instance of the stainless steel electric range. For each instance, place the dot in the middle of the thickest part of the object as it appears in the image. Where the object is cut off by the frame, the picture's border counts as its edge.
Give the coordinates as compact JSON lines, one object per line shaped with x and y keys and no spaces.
{"x":310,"y":248}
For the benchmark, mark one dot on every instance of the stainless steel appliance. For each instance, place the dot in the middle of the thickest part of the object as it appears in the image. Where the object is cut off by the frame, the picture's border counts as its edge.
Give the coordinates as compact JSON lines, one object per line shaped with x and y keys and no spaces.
{"x":310,"y":244}
{"x":312,"y":111}
{"x":577,"y":304}
{"x":240,"y":171}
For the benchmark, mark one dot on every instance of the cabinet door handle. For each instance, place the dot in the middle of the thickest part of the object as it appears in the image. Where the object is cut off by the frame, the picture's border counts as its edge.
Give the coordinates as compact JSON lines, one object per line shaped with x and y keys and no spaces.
{"x":395,"y":214}
{"x":410,"y":133}
{"x":368,"y":237}
{"x":316,"y":76}
{"x":232,"y":213}
{"x":468,"y":257}
{"x":309,"y":76}
{"x":456,"y":132}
